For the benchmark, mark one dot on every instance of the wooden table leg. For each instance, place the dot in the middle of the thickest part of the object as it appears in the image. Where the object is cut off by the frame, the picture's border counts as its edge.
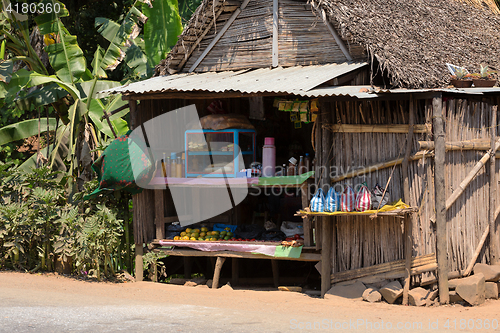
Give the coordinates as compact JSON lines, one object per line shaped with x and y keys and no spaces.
{"x":218,"y":267}
{"x":188,"y":264}
{"x":139,"y":270}
{"x":276,"y":273}
{"x":306,"y":221}
{"x":234,"y":271}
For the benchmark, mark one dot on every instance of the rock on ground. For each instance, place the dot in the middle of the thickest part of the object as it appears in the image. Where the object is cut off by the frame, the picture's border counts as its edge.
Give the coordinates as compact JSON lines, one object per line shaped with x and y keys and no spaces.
{"x":346,"y":290}
{"x":372,"y":295}
{"x":226,"y":287}
{"x":454,"y":297}
{"x":190,"y":284}
{"x":491,"y":290}
{"x":209,"y":283}
{"x":421,"y":297}
{"x":472,"y":289}
{"x":491,"y":272}
{"x":392,"y":291}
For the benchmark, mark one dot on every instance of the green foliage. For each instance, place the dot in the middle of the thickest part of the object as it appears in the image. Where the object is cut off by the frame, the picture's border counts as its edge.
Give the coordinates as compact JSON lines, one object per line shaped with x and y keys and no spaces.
{"x":38,"y":225}
{"x":161,"y":29}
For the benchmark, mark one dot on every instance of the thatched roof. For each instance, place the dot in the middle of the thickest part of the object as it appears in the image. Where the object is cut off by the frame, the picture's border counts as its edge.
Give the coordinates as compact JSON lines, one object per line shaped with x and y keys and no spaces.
{"x":411,"y":40}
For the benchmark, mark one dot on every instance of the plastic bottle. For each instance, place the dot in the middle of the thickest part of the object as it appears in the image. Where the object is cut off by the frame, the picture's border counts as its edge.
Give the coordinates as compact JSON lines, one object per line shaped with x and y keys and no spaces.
{"x":183,"y":165}
{"x":178,"y":166}
{"x":291,"y":167}
{"x":301,"y":166}
{"x":163,"y":166}
{"x":173,"y":166}
{"x":283,"y":172}
{"x":307,"y":162}
{"x":168,"y":167}
{"x":268,"y":158}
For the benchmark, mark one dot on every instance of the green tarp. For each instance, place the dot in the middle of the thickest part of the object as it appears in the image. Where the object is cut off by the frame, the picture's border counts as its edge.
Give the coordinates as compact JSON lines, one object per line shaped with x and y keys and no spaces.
{"x":283,"y":181}
{"x":116,"y":166}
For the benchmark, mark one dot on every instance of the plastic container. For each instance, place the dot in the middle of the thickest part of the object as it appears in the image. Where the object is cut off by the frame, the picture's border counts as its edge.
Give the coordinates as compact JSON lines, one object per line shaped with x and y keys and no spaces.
{"x":302,"y":166}
{"x":268,"y":158}
{"x":173,"y":165}
{"x":291,"y":166}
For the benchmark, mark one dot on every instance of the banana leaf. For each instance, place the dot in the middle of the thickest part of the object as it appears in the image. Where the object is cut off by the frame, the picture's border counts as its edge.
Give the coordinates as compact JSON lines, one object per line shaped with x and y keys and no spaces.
{"x":45,"y":95}
{"x":65,"y":56}
{"x":161,"y":30}
{"x":137,"y":61}
{"x":96,"y":112}
{"x":24,"y":129}
{"x":6,"y":68}
{"x":120,"y":36}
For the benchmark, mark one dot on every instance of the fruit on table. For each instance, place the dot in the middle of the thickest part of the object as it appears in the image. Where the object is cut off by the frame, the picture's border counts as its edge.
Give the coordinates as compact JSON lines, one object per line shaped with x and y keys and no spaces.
{"x":204,"y":229}
{"x":202,"y":234}
{"x":230,"y":234}
{"x":227,"y":238}
{"x":195,"y":235}
{"x":188,"y":230}
{"x":183,"y":234}
{"x":227,"y":229}
{"x":192,"y":238}
{"x":196,"y":231}
{"x":177,"y":237}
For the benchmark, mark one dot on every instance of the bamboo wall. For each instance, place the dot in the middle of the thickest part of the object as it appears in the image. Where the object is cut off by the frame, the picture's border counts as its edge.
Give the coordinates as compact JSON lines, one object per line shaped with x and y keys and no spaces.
{"x":303,"y":39}
{"x":361,"y":242}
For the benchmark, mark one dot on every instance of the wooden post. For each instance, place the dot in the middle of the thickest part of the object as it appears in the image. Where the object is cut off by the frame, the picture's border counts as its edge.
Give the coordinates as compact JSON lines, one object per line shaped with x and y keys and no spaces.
{"x":139,"y":269}
{"x":327,"y":232}
{"x":132,"y":104}
{"x":326,"y":255}
{"x":234,"y":271}
{"x":440,"y":203}
{"x":218,"y":267}
{"x":276,"y":273}
{"x":159,"y":214}
{"x":408,"y":228}
{"x":304,"y":188}
{"x":494,"y":248}
{"x":275,"y":33}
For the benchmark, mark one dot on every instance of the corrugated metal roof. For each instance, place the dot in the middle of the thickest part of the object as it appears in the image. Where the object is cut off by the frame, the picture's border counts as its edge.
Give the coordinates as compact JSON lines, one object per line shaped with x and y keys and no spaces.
{"x":291,"y":80}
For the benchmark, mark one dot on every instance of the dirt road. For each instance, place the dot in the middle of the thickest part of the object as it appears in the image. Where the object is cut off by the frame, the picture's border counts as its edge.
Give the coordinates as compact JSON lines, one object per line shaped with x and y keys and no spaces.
{"x":51,"y":303}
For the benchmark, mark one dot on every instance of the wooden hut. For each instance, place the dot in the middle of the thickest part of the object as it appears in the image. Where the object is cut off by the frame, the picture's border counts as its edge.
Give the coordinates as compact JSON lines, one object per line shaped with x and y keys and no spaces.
{"x":386,"y":115}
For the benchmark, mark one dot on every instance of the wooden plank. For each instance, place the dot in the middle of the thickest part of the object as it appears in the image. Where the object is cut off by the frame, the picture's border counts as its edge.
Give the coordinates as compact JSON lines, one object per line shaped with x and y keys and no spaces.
{"x":133,"y":113}
{"x":408,"y":227}
{"x":393,"y":266}
{"x":139,"y":264}
{"x":159,"y":214}
{"x":326,"y":255}
{"x":219,"y":35}
{"x":218,"y":267}
{"x":345,"y":128}
{"x":494,"y":247}
{"x":476,"y":144}
{"x":440,"y":204}
{"x":232,"y":254}
{"x":275,"y":34}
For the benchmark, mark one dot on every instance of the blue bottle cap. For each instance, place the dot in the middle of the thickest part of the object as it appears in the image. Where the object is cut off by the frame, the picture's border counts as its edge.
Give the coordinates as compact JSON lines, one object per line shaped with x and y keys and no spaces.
{"x":173,"y":156}
{"x":307,"y":154}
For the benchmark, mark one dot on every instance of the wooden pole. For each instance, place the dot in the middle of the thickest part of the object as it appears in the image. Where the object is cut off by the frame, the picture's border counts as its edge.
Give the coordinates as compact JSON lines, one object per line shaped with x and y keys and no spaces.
{"x":408,"y":229}
{"x":133,"y":113}
{"x":327,"y":232}
{"x":235,"y":271}
{"x":439,"y":186}
{"x":494,"y":248}
{"x":218,"y":267}
{"x":139,"y":268}
{"x":304,"y":188}
{"x":476,"y":253}
{"x":275,"y":34}
{"x":476,"y":144}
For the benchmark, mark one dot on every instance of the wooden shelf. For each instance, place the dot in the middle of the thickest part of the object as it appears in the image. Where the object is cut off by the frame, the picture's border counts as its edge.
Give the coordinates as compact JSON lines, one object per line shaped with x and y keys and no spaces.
{"x":370,"y":213}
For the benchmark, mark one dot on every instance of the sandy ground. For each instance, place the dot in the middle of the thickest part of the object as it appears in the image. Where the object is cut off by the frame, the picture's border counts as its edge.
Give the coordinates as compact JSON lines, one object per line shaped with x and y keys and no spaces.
{"x":52,"y":303}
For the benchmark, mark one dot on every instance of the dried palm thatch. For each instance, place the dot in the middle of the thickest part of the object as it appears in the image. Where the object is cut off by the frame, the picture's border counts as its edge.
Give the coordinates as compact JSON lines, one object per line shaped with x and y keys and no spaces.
{"x":412,"y":40}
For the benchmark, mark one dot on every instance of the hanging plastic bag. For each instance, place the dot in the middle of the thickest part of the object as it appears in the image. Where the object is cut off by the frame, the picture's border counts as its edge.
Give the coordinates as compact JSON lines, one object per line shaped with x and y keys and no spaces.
{"x":347,"y":200}
{"x":318,"y":201}
{"x":379,"y":199}
{"x":332,"y":201}
{"x":363,"y":199}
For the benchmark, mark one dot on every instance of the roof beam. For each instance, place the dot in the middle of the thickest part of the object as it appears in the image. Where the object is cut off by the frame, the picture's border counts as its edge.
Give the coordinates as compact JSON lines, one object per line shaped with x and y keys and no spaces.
{"x":195,"y":44}
{"x":336,"y":36}
{"x":219,"y":35}
{"x":275,"y":33}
